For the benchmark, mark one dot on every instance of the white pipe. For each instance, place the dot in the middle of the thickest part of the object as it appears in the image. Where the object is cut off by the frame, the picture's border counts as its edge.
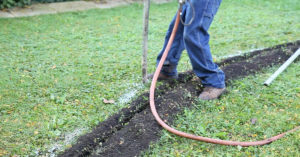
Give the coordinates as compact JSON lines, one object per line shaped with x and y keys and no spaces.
{"x":282,"y":68}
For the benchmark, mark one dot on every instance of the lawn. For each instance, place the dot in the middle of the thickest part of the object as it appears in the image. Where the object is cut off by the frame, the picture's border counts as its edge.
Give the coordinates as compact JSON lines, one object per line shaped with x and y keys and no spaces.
{"x":56,"y":70}
{"x":249,"y":112}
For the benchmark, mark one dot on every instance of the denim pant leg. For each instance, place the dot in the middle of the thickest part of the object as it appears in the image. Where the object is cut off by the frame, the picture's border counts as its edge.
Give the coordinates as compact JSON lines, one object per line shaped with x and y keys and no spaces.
{"x":196,"y":41}
{"x":170,"y":65}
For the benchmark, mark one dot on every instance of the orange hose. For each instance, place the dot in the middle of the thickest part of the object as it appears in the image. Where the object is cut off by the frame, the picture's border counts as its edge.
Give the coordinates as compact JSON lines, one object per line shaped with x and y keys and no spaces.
{"x":191,"y":136}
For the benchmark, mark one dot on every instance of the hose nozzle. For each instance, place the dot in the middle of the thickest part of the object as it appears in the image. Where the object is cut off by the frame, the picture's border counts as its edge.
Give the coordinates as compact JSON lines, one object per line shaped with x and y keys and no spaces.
{"x":181,"y":2}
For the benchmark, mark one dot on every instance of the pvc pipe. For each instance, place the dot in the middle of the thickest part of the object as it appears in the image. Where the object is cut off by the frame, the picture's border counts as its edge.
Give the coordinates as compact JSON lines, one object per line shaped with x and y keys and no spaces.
{"x":145,"y":40}
{"x":282,"y":68}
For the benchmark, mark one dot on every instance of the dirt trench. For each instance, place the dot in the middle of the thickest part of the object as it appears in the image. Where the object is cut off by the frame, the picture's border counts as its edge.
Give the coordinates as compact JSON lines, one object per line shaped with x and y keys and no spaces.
{"x":130,"y":131}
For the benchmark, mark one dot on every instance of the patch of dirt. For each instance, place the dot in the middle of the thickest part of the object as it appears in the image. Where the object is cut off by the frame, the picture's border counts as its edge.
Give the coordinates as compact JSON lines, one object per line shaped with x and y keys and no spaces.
{"x":132,"y":129}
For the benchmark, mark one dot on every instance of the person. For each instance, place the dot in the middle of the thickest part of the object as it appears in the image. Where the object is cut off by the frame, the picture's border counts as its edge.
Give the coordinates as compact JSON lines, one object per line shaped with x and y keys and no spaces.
{"x":195,"y":39}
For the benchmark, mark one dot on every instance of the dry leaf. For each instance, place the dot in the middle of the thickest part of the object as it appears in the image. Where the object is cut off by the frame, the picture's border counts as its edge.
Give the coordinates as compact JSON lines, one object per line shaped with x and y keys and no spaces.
{"x":108,"y":101}
{"x":253,"y":121}
{"x":53,"y":67}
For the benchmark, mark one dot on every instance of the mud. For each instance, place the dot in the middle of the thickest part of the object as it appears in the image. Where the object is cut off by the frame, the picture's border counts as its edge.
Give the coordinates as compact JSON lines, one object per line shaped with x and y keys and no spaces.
{"x":133,"y":129}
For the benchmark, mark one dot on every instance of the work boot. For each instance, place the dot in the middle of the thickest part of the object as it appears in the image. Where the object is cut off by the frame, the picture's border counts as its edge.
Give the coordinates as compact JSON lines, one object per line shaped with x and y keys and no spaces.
{"x":162,"y":76}
{"x":211,"y":93}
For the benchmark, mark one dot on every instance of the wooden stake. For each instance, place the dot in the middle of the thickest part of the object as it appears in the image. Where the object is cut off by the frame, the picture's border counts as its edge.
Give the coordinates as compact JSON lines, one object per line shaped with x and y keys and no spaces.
{"x":145,"y":40}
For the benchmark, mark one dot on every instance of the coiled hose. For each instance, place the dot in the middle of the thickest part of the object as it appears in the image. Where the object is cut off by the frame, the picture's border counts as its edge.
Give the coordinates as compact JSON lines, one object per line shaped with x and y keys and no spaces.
{"x":191,"y":136}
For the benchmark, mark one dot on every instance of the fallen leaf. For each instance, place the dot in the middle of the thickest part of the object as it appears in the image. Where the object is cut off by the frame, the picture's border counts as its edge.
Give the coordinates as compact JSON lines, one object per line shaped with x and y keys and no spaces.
{"x":253,"y":121}
{"x":53,"y":67}
{"x":69,"y":146}
{"x":108,"y":101}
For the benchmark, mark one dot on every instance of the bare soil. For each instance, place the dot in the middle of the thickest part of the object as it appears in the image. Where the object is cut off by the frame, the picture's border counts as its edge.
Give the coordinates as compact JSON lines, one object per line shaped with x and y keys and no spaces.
{"x":131,"y":130}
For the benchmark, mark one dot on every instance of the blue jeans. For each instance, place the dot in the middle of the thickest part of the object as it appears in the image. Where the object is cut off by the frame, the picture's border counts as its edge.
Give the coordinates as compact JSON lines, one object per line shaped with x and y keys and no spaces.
{"x":195,"y":39}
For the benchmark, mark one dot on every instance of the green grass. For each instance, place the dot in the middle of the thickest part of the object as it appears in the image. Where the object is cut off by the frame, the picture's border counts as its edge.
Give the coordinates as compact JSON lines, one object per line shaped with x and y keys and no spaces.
{"x":55,"y":70}
{"x":275,"y":108}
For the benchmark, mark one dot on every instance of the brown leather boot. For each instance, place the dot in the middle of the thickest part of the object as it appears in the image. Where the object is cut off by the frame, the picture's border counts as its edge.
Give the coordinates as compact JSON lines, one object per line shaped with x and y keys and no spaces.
{"x":211,"y":93}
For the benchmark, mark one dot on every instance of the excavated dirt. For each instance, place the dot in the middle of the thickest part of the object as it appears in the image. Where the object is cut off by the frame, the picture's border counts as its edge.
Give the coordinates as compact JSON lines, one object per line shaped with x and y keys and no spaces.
{"x":131,"y":130}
